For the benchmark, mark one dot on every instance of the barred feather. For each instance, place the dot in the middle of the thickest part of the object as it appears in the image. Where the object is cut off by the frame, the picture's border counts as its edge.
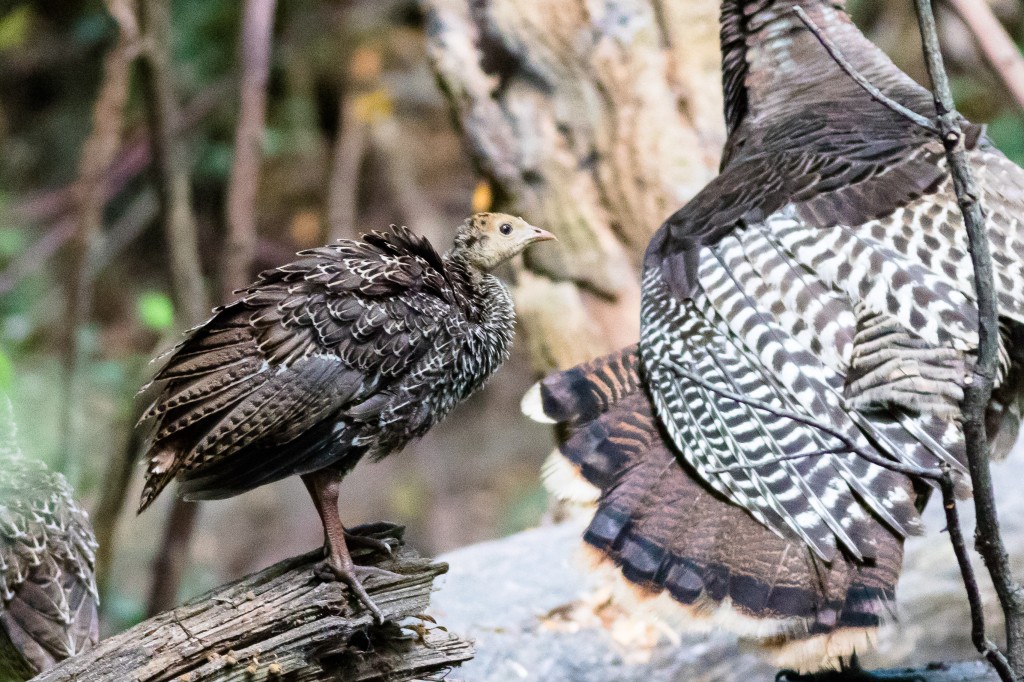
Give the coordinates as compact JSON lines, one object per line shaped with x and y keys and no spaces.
{"x":813,"y":303}
{"x":48,"y":596}
{"x":666,"y":531}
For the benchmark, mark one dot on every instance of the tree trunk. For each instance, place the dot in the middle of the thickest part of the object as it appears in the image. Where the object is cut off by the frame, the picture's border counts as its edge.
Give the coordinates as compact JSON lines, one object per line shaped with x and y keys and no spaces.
{"x":282,"y":624}
{"x":595,"y":121}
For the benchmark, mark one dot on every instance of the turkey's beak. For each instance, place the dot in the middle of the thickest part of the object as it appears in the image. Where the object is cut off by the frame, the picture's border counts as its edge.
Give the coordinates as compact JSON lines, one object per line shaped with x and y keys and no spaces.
{"x":539,"y":235}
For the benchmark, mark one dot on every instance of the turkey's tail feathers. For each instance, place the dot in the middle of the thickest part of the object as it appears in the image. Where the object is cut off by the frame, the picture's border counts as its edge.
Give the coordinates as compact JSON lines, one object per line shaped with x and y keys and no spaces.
{"x":675,"y":541}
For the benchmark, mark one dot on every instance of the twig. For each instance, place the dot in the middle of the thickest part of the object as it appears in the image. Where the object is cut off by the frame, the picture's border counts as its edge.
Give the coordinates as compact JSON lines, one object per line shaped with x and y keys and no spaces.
{"x":97,"y":155}
{"x":848,"y":443}
{"x":845,"y":65}
{"x":172,"y":557}
{"x":171,"y":165}
{"x":130,"y":160}
{"x":257,"y":27}
{"x":35,"y":256}
{"x":956,"y":538}
{"x":977,"y":392}
{"x":415,"y":207}
{"x":996,"y":43}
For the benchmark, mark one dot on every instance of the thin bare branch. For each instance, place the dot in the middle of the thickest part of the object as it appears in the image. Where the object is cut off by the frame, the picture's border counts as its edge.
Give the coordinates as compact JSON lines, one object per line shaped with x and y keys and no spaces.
{"x":414,"y":207}
{"x":257,"y":28}
{"x":171,"y":174}
{"x":131,"y":159}
{"x":343,"y":184}
{"x":956,"y":537}
{"x":172,"y":557}
{"x":1000,"y":50}
{"x":978,"y":392}
{"x":171,"y":165}
{"x":845,"y":65}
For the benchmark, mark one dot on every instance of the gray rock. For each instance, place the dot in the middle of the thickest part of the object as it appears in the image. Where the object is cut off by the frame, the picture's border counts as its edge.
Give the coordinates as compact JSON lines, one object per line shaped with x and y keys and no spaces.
{"x":536,"y":613}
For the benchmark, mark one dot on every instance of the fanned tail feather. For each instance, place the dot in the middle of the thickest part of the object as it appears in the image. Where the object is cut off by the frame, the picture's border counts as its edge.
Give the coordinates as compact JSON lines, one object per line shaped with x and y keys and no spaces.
{"x":670,"y":534}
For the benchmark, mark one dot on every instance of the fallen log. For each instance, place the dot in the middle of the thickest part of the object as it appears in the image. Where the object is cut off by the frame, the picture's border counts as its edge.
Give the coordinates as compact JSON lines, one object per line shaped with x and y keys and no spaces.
{"x":280,"y":624}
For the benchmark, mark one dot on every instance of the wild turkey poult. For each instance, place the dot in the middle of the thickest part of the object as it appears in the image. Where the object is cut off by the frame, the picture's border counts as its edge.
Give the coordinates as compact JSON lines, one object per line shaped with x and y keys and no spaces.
{"x":48,"y":596}
{"x":354,"y":349}
{"x":817,"y":294}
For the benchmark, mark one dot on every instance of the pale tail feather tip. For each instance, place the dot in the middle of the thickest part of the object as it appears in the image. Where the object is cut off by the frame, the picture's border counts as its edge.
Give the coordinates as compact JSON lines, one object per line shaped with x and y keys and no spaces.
{"x":563,"y":480}
{"x":532,"y":405}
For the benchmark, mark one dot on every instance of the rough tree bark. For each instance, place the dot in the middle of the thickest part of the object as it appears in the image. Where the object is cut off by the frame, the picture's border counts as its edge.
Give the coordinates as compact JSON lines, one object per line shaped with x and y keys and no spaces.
{"x":595,"y":120}
{"x":282,"y":624}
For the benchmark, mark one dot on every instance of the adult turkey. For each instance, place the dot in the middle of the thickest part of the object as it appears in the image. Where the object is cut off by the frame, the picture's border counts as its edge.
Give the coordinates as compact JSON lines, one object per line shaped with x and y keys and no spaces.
{"x":48,"y":596}
{"x":352,"y":350}
{"x":818,"y":294}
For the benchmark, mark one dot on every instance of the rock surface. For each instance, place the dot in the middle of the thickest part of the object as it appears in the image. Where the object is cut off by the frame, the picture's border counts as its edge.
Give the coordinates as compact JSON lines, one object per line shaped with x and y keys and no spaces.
{"x":536,"y":613}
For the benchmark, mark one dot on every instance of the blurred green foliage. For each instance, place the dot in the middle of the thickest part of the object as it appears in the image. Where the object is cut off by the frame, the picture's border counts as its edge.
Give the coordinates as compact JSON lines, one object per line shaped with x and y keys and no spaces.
{"x":155,"y":310}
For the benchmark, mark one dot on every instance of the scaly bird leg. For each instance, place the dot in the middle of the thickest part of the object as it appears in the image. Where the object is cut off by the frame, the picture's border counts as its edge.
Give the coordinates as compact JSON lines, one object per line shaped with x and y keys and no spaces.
{"x":366,"y":535}
{"x":323,"y":486}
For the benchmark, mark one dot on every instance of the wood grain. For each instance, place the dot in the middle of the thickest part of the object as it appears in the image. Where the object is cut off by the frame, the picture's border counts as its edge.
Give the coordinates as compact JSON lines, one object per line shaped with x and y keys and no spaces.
{"x":282,"y":623}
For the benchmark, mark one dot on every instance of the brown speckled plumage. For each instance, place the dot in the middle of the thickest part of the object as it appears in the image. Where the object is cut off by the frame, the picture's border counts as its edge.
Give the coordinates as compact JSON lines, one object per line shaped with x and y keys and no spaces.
{"x":48,"y":596}
{"x":352,"y":350}
{"x":820,"y":285}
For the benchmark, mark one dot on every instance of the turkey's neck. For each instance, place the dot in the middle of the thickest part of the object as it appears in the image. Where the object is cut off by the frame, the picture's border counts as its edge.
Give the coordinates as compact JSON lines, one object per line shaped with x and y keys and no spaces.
{"x":487,"y":299}
{"x":773,"y":65}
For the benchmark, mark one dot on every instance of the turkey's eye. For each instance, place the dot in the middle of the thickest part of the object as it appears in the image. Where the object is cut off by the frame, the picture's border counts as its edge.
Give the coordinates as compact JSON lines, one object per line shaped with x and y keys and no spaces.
{"x":506,"y":228}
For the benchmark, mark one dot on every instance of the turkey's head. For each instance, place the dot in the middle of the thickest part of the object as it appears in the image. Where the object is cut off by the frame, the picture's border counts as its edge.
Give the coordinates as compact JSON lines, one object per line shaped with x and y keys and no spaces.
{"x":487,"y":240}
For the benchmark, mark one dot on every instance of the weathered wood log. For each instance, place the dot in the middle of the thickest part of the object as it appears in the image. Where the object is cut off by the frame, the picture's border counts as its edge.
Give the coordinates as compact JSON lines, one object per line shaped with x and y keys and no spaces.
{"x":283,"y":623}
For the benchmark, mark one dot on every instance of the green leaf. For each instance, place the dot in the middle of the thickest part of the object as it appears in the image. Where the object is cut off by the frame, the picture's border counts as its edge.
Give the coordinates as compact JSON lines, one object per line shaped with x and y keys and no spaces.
{"x":14,"y":27}
{"x":155,"y":310}
{"x":1007,"y":132}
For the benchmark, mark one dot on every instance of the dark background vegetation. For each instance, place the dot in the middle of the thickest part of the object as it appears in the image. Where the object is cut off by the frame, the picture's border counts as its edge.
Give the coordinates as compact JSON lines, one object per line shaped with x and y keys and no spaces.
{"x":473,"y":478}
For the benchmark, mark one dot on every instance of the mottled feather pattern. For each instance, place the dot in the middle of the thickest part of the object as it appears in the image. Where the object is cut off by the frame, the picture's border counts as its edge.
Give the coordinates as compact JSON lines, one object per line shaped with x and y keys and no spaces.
{"x":661,"y":525}
{"x":813,"y":302}
{"x":48,"y":595}
{"x":364,"y":343}
{"x":843,"y":275}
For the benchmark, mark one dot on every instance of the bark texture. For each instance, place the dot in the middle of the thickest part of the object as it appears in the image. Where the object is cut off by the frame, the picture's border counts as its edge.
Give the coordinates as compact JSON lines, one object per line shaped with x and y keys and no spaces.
{"x":283,"y":624}
{"x":595,"y":121}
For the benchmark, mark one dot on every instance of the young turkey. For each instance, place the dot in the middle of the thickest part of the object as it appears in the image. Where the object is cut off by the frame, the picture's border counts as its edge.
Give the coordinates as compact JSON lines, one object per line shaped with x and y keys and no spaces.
{"x":48,"y":597}
{"x":352,"y":350}
{"x":818,"y":293}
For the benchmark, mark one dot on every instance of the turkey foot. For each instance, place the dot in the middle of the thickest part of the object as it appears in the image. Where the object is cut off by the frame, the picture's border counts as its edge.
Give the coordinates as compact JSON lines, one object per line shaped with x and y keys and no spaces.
{"x":336,"y":568}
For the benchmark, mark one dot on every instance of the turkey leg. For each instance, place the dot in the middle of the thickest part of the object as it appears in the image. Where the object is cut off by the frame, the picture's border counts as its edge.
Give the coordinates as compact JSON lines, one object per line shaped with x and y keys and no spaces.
{"x":323,"y":487}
